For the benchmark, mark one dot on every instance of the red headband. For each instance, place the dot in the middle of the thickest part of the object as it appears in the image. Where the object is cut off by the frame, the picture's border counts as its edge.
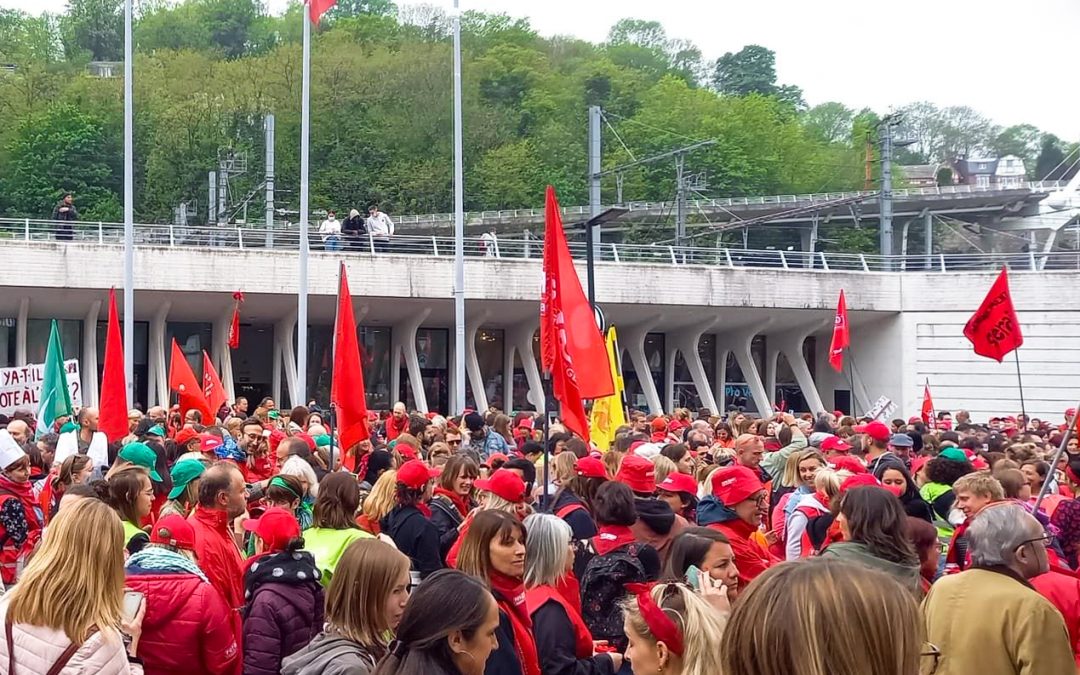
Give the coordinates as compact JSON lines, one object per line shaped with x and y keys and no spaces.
{"x":660,"y":625}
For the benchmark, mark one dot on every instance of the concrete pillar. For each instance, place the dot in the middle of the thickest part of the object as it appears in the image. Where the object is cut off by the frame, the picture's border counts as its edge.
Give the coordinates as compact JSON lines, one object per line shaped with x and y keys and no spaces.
{"x":738,"y":342}
{"x":220,"y":353}
{"x":404,"y":347}
{"x":633,"y":341}
{"x":790,"y":345}
{"x":157,"y":357}
{"x":686,"y":341}
{"x":522,"y":339}
{"x":720,"y":390}
{"x":88,"y":365}
{"x":508,"y":372}
{"x":772,"y":355}
{"x":285,"y":357}
{"x":20,"y":331}
{"x":472,"y":363}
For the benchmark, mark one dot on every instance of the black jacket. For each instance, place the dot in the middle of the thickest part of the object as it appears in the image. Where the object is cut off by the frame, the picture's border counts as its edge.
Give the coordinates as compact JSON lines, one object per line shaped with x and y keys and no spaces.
{"x":580,"y":520}
{"x":71,"y":214}
{"x":556,"y":643}
{"x":416,"y":537}
{"x":354,"y":227}
{"x":446,"y":518}
{"x":504,"y":660}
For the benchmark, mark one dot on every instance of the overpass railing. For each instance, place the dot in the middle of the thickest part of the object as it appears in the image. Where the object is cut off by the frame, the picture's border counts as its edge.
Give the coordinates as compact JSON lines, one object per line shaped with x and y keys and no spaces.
{"x":506,"y":249}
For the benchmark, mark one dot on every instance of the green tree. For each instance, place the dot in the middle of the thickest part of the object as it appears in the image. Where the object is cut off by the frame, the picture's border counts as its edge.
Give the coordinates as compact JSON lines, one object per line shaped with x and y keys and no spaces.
{"x":751,"y":70}
{"x":94,"y":29}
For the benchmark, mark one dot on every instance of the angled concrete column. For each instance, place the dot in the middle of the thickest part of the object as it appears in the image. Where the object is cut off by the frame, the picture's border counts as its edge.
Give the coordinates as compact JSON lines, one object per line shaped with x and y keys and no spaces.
{"x":20,"y":331}
{"x":472,"y":364}
{"x":157,"y":351}
{"x":508,"y":372}
{"x":404,"y":347}
{"x":88,"y":365}
{"x":771,"y":358}
{"x":633,"y":341}
{"x":285,"y":357}
{"x":220,"y":352}
{"x":686,"y":341}
{"x":522,"y":338}
{"x":790,"y":344}
{"x":720,"y":392}
{"x":738,"y":343}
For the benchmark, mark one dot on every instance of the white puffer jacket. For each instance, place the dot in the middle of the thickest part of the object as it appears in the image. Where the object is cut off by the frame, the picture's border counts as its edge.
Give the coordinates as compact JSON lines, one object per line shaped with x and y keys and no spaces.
{"x":38,"y":648}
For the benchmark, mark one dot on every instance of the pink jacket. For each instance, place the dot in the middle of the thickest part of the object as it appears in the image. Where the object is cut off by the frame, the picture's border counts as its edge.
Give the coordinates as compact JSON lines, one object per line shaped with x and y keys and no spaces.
{"x":37,"y":648}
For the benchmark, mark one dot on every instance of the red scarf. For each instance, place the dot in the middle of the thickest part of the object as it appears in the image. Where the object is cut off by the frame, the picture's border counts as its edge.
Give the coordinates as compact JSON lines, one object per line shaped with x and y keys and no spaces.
{"x":424,"y":509}
{"x":361,"y":467}
{"x":953,"y":562}
{"x":510,"y":594}
{"x":462,"y":503}
{"x":611,"y":537}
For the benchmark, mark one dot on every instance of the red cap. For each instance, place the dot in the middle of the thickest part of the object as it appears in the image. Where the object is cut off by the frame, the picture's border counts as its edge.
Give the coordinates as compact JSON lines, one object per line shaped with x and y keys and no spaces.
{"x":835,"y":444}
{"x":415,"y":474}
{"x":494,"y":456}
{"x":276,"y":527}
{"x":679,"y":482}
{"x":526,"y":422}
{"x":591,"y":467}
{"x":406,"y":451}
{"x":173,"y":530}
{"x":638,"y":474}
{"x":875,"y":430}
{"x":504,"y":483}
{"x":734,"y":484}
{"x":860,"y":480}
{"x":917,"y":463}
{"x":185,"y":436}
{"x":307,"y":438}
{"x":659,"y":424}
{"x":207,"y":443}
{"x":979,"y":464}
{"x":848,"y":463}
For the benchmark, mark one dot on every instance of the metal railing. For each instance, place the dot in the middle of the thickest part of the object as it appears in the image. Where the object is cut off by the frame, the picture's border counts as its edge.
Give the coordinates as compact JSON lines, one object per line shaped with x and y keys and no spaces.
{"x":507,"y":249}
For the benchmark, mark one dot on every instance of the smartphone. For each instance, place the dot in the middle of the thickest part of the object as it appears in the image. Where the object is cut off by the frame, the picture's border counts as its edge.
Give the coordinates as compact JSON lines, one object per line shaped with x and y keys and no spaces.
{"x":693,"y":577}
{"x":132,"y":601}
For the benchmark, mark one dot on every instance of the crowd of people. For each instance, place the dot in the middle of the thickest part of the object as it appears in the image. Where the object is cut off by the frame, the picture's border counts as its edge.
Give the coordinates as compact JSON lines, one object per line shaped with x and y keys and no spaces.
{"x":478,"y":544}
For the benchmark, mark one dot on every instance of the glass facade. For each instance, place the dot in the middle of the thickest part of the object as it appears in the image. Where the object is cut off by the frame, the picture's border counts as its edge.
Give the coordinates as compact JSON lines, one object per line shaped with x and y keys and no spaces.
{"x":7,"y":342}
{"x":37,"y":338}
{"x":375,"y":349}
{"x":788,"y":394}
{"x":432,"y":353}
{"x":736,"y":389}
{"x":253,"y":364}
{"x":490,"y":350}
{"x":192,"y":338}
{"x":140,"y":364}
{"x":686,"y":394}
{"x":654,"y":356}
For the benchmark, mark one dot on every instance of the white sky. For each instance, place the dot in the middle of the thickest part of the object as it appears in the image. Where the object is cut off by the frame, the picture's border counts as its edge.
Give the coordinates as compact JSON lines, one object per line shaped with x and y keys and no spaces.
{"x":1013,"y":61}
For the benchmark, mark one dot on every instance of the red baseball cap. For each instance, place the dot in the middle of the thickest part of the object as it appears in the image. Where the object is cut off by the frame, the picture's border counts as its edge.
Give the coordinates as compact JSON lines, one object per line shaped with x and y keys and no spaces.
{"x":638,"y":474}
{"x":185,"y":436}
{"x":875,"y":430}
{"x":504,"y":483}
{"x":496,"y":456}
{"x":173,"y":530}
{"x":917,"y":463}
{"x":591,"y":467}
{"x":415,"y":474}
{"x":848,"y":463}
{"x":679,"y":482}
{"x":207,"y":443}
{"x":835,"y":444}
{"x":734,"y":484}
{"x":861,"y":480}
{"x":276,"y":527}
{"x":406,"y":451}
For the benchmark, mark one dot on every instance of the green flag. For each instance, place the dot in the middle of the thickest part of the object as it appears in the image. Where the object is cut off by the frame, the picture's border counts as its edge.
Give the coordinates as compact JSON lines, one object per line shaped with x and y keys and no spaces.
{"x":55,"y":398}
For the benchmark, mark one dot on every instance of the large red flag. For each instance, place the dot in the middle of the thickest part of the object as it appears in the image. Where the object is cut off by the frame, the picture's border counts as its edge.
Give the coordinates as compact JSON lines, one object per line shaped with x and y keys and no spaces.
{"x":182,"y":381}
{"x":316,"y":8}
{"x":994,"y":330}
{"x":347,"y":388}
{"x":929,"y":417}
{"x":841,"y":335}
{"x":212,"y":387}
{"x":234,"y":325}
{"x":112,"y":411}
{"x":565,"y":314}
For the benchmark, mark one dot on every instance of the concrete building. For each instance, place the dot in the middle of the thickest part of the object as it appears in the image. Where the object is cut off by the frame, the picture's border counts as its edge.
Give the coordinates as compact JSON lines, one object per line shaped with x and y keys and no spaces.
{"x":692,"y":334}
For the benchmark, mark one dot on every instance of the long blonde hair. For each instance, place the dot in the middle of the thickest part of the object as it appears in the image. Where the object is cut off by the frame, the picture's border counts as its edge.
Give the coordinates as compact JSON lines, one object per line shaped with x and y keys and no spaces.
{"x":700,"y":624}
{"x":823,"y":617}
{"x":791,"y":467}
{"x":380,"y":501}
{"x":663,"y":467}
{"x":76,"y":578}
{"x":364,"y":578}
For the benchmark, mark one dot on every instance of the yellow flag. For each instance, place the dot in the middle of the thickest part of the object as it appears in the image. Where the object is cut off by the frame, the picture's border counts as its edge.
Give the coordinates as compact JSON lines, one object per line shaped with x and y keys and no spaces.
{"x":607,"y":413}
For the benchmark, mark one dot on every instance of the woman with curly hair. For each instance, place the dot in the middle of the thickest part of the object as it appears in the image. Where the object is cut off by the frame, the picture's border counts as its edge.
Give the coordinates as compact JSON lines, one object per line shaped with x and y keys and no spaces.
{"x":941,"y":472}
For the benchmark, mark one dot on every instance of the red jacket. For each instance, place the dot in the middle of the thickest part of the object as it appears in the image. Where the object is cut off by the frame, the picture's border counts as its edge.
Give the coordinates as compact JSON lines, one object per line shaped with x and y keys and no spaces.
{"x":18,"y":499}
{"x":394,"y":428}
{"x":1062,"y":589}
{"x":219,"y":557}
{"x":750,"y":557}
{"x":188,"y":628}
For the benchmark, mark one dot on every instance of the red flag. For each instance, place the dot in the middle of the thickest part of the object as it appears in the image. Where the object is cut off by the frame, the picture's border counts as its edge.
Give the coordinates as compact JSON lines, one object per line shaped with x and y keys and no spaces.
{"x":183,"y":382}
{"x":347,"y":388}
{"x":112,"y":413}
{"x":213,"y":391}
{"x":994,"y":330}
{"x":565,"y":314}
{"x":234,"y":327}
{"x":841,"y":335}
{"x":929,"y":417}
{"x":316,"y":8}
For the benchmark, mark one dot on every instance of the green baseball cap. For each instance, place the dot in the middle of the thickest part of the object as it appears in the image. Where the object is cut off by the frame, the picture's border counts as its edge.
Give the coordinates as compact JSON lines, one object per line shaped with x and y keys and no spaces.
{"x":273,"y":414}
{"x":323,"y":440}
{"x":183,"y":472}
{"x":141,"y":454}
{"x":953,"y":455}
{"x":156,"y":430}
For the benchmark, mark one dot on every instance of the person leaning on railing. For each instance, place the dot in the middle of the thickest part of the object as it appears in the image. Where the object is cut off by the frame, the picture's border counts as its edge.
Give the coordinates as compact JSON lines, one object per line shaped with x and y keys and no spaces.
{"x":65,"y":212}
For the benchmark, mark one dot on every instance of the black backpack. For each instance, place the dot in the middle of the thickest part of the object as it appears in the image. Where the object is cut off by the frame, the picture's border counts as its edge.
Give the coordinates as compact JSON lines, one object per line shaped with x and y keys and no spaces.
{"x":603,"y":587}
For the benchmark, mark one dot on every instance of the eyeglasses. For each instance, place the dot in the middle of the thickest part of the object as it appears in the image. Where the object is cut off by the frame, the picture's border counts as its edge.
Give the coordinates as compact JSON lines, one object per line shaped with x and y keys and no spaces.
{"x":1048,"y":540}
{"x":929,"y":658}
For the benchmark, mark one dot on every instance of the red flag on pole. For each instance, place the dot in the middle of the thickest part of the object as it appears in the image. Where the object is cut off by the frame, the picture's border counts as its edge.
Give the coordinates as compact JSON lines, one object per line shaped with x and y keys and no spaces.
{"x":347,"y":388}
{"x":182,"y":381}
{"x":112,"y":411}
{"x":234,"y":326}
{"x":316,"y":8}
{"x":994,"y":330}
{"x":212,"y":388}
{"x":929,"y":417}
{"x":841,"y":335}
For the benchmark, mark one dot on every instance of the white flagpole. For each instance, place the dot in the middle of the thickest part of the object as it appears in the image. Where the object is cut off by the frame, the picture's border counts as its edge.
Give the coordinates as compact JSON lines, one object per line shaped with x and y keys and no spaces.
{"x":129,"y":214}
{"x":302,"y":300}
{"x":458,"y":404}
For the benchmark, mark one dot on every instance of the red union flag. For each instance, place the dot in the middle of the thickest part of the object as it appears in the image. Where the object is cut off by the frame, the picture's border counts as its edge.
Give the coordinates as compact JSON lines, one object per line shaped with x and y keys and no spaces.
{"x":213,"y":391}
{"x":841,"y":335}
{"x":994,"y":330}
{"x":234,"y":325}
{"x":316,"y":8}
{"x":929,"y":417}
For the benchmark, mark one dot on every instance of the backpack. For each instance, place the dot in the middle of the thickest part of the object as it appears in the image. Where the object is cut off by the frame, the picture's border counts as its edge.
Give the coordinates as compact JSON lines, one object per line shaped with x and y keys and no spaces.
{"x":603,"y":586}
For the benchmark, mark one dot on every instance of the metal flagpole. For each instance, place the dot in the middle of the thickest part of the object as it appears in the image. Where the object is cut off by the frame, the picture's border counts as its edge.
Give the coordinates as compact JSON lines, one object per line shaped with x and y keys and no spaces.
{"x":459,"y":229}
{"x":1020,"y":384}
{"x":129,"y":213}
{"x":302,"y":299}
{"x":1069,"y":431}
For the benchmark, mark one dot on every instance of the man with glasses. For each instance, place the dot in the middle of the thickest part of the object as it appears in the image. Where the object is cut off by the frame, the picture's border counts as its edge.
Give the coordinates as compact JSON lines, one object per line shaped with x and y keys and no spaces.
{"x":735,"y":507}
{"x":989,"y":619}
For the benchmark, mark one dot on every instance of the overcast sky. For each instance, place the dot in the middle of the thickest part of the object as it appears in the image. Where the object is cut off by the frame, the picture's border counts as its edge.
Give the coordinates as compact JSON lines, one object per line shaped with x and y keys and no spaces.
{"x":1013,"y":61}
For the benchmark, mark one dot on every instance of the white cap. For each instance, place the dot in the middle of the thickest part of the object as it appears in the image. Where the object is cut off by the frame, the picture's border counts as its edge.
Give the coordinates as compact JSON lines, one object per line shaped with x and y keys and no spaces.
{"x":10,"y":452}
{"x":647,"y":450}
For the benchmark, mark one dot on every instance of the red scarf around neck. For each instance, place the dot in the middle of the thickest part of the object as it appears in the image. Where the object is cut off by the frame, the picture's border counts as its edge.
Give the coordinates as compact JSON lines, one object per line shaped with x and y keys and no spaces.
{"x":510,"y":594}
{"x":611,"y":537}
{"x":461,"y":502}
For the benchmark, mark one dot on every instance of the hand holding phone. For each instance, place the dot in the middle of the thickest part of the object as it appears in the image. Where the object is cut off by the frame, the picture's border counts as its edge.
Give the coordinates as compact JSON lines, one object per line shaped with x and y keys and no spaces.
{"x":132,"y":601}
{"x":693,"y":577}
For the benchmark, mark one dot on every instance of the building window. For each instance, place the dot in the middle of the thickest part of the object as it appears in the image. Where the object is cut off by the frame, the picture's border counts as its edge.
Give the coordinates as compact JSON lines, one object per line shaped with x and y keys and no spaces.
{"x":490,"y":349}
{"x":140,"y":365}
{"x":375,"y":353}
{"x":432,"y":355}
{"x":7,"y":343}
{"x":737,"y":392}
{"x":37,"y":338}
{"x":686,"y":392}
{"x":192,"y":339}
{"x":654,"y":356}
{"x":982,"y":180}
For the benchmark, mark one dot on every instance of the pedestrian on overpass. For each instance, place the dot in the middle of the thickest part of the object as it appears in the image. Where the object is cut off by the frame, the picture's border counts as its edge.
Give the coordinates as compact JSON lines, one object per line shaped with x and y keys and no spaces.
{"x":381,"y":228}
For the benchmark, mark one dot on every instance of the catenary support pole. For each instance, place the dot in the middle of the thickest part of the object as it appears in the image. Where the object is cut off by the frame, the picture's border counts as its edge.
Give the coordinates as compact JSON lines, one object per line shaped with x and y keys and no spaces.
{"x":129,"y":212}
{"x":458,"y":404}
{"x":595,"y":149}
{"x":302,"y":299}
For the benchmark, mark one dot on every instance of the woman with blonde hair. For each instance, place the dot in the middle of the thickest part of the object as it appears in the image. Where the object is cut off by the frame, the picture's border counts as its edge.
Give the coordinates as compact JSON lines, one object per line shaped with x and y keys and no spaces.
{"x":131,"y":493}
{"x":663,"y":467}
{"x":379,"y":502}
{"x":798,"y":532}
{"x":823,"y":617}
{"x":673,"y":630}
{"x":501,"y":426}
{"x":58,"y":616}
{"x":364,"y":604}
